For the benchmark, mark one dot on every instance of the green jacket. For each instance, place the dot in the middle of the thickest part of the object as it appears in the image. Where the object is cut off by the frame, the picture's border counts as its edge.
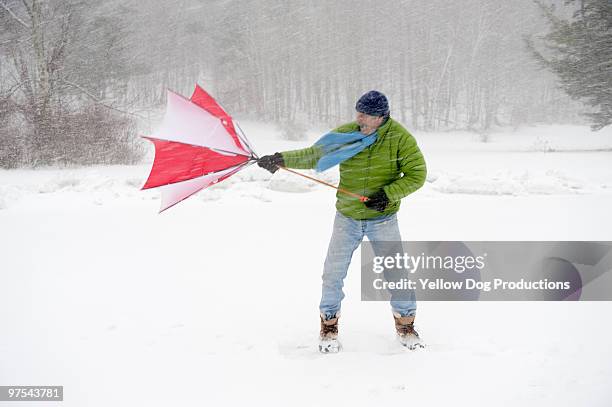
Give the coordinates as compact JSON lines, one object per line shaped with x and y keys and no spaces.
{"x":393,"y":163}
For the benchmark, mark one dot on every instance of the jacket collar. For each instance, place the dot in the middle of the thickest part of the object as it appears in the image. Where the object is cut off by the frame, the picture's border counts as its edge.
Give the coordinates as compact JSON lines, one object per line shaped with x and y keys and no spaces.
{"x":384,"y":128}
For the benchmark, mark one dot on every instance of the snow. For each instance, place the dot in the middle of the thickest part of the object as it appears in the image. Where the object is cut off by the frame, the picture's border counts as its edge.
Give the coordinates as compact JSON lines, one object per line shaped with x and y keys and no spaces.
{"x":214,"y":302}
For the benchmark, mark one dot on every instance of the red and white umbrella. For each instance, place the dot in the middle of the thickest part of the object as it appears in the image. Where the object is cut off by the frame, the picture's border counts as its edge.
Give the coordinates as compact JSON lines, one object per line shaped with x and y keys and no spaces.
{"x":197,"y":145}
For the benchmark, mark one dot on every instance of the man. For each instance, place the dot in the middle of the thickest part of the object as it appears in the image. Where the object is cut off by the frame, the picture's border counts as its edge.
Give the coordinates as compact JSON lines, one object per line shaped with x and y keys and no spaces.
{"x":381,"y":160}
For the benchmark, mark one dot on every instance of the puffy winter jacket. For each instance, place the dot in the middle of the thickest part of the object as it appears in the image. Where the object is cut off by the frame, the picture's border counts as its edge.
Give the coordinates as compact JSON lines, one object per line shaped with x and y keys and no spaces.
{"x":394,"y":163}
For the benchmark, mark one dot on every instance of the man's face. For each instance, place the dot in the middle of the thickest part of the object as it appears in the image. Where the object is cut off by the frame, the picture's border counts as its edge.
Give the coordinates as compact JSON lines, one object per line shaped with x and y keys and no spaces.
{"x":368,"y":124}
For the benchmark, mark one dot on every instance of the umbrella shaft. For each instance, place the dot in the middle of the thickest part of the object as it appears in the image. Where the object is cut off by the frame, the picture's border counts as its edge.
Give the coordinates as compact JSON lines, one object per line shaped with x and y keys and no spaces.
{"x":344,"y":191}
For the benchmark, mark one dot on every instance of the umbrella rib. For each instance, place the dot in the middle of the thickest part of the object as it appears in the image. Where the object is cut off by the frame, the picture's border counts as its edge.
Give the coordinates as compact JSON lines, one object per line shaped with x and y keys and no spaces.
{"x":243,"y":137}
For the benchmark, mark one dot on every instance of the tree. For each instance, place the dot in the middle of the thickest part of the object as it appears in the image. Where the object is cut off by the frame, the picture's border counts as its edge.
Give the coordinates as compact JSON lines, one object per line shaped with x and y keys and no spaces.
{"x":579,"y":52}
{"x":58,"y":66}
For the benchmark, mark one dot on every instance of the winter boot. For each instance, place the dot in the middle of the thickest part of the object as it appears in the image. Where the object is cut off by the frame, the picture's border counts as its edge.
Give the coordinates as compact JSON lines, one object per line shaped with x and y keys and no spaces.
{"x":406,"y":334}
{"x":328,"y":337}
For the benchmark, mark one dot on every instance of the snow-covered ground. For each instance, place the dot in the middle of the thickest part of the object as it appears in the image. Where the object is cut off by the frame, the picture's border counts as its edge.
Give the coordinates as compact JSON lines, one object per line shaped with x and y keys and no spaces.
{"x":214,"y":302}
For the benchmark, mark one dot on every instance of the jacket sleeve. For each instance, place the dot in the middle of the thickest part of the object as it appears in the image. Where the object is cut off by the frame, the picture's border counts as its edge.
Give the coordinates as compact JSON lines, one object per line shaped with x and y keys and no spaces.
{"x":305,"y":158}
{"x":412,"y":165}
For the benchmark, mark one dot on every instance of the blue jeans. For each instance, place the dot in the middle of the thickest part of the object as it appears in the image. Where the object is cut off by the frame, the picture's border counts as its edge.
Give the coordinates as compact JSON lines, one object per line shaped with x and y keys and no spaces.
{"x":346,"y":237}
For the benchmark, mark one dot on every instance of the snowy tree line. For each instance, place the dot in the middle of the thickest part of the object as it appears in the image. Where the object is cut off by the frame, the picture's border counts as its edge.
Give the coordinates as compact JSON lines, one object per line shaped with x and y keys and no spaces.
{"x":76,"y":76}
{"x":443,"y":64}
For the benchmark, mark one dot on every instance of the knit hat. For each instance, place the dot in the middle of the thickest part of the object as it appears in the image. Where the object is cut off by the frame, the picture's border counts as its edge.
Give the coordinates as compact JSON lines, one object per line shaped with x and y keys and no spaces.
{"x":373,"y":103}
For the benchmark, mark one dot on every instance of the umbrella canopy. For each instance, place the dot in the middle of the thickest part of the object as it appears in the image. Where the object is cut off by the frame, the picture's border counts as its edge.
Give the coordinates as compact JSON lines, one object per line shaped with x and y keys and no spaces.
{"x":196,"y":145}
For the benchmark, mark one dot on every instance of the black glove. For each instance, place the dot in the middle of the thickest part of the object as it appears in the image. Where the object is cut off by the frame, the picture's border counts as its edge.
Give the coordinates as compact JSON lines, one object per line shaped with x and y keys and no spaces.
{"x":377,"y":201}
{"x":271,"y":162}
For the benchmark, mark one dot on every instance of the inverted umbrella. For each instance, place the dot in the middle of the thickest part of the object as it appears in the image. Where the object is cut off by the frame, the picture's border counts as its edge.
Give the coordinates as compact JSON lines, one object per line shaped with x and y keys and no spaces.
{"x":198,"y":145}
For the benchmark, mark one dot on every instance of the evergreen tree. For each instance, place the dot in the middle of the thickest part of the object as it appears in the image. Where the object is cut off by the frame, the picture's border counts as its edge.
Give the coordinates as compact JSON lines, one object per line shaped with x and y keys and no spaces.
{"x":579,"y":52}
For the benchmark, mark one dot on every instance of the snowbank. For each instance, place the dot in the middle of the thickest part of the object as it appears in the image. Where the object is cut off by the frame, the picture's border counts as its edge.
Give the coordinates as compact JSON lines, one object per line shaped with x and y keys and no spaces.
{"x":457,"y":164}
